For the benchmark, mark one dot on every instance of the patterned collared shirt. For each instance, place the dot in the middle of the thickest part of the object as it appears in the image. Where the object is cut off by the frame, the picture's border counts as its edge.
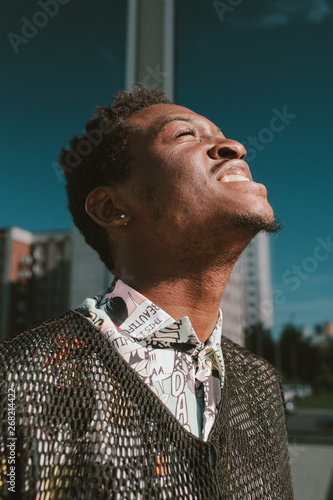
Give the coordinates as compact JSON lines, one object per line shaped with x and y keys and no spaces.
{"x":186,"y":374}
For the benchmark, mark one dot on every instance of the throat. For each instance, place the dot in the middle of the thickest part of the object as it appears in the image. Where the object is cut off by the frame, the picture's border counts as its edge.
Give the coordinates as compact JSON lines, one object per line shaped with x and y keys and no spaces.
{"x":199,"y":300}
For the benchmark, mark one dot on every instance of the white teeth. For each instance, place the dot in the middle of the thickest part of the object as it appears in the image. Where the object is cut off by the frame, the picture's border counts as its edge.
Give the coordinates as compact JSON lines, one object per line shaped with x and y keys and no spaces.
{"x":233,"y":178}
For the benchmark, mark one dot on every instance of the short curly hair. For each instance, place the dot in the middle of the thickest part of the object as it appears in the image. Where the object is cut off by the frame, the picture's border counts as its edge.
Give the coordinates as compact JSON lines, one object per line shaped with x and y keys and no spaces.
{"x":101,"y":157}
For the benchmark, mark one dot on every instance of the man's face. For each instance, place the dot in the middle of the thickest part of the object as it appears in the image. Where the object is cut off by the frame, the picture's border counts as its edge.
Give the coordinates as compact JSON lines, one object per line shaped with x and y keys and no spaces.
{"x":188,"y":180}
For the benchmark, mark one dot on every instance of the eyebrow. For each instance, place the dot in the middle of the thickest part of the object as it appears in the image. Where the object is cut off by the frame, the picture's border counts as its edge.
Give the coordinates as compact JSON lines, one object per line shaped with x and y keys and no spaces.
{"x":180,"y":118}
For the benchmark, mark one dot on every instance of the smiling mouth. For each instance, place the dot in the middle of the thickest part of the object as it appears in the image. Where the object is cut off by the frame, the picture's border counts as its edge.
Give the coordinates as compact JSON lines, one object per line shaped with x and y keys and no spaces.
{"x":233,"y":178}
{"x":234,"y":170}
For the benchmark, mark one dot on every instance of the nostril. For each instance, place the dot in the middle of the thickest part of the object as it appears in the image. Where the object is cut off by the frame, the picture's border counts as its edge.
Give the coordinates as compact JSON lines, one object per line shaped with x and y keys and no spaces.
{"x":226,"y":152}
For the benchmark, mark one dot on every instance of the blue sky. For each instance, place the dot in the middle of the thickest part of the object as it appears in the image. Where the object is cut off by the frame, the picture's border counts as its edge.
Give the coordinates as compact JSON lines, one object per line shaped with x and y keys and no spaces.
{"x":240,"y":67}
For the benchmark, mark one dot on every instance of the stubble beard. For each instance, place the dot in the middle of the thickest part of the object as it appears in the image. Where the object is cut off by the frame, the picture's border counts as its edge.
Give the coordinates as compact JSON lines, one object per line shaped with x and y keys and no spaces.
{"x":257,"y":223}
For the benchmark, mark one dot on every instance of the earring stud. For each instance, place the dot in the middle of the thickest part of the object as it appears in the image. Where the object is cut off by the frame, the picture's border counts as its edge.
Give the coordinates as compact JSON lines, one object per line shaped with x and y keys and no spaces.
{"x":122,"y":216}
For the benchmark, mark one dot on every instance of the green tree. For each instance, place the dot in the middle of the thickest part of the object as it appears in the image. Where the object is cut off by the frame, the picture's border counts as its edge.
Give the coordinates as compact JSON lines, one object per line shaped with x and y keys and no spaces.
{"x":259,"y":341}
{"x":299,"y":359}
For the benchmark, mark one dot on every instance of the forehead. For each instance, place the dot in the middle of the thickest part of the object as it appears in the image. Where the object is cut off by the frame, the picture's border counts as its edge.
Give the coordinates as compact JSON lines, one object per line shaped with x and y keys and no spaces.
{"x":154,"y":118}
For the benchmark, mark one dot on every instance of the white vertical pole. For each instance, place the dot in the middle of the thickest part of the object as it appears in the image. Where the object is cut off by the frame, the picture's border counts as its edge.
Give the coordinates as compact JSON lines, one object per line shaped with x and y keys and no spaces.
{"x":169,"y":48}
{"x":131,"y":52}
{"x":150,"y":44}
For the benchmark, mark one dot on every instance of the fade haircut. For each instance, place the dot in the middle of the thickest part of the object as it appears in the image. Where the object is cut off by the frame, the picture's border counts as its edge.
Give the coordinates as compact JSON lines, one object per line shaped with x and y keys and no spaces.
{"x":101,"y":157}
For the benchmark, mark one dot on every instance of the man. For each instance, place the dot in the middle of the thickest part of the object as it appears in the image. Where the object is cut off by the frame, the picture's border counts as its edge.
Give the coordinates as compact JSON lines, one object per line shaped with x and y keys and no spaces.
{"x":137,"y":394}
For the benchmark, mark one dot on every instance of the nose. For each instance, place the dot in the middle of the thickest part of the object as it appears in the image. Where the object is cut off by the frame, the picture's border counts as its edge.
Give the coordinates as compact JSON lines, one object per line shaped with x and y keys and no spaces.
{"x":227,"y":149}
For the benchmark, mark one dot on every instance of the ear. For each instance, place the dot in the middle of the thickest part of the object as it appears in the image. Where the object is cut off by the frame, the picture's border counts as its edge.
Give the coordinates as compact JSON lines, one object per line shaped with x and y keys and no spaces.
{"x":103,"y":206}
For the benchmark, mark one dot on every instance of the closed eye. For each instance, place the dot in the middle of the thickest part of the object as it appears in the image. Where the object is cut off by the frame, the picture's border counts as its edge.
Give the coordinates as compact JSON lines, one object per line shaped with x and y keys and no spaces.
{"x":186,"y":132}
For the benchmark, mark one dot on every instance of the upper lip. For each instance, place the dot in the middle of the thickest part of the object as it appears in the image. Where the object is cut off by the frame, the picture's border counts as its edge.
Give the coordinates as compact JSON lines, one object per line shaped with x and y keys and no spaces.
{"x":236,"y":166}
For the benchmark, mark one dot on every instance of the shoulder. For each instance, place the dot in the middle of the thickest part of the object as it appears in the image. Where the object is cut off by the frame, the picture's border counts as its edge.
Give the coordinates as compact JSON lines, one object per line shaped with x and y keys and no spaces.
{"x":48,"y":340}
{"x":233,"y":350}
{"x":239,"y":360}
{"x":252,"y":375}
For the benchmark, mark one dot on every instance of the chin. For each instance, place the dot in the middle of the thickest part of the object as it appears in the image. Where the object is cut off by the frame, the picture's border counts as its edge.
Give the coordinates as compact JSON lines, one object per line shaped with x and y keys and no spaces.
{"x":258,"y":223}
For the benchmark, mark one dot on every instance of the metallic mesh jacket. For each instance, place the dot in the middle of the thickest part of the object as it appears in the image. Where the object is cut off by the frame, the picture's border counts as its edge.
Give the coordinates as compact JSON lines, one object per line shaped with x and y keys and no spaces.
{"x":87,"y":427}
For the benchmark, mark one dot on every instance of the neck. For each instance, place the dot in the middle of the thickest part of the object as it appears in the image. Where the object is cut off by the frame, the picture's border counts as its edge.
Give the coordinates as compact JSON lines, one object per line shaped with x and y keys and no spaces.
{"x":196,"y":295}
{"x":198,"y":298}
{"x":182,"y":282}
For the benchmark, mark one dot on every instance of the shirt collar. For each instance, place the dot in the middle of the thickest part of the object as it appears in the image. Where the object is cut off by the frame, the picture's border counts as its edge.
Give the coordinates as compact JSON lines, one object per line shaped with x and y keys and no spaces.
{"x":129,"y":311}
